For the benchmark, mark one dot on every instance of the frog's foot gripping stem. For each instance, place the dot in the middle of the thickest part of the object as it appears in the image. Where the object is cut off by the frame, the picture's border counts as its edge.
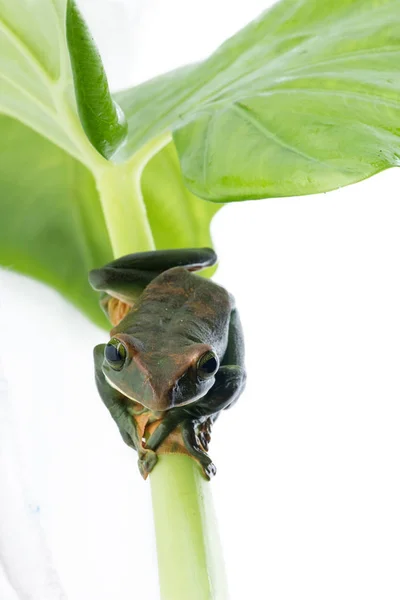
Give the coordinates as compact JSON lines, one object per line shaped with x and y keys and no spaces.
{"x":192,"y":436}
{"x":204,"y":432}
{"x":229,"y":383}
{"x":147,"y":458}
{"x":146,"y":462}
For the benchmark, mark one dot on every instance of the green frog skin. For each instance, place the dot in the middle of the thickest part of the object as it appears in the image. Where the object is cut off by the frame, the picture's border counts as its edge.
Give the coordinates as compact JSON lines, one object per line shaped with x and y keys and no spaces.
{"x":175,"y":359}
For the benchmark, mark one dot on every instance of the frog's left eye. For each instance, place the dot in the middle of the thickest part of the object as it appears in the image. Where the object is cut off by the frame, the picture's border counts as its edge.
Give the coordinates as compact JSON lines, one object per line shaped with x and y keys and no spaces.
{"x":115,"y":354}
{"x":207,"y":365}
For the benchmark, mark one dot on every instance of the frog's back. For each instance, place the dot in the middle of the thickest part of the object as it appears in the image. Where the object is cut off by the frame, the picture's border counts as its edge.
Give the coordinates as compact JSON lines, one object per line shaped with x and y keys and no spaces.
{"x":178,"y":307}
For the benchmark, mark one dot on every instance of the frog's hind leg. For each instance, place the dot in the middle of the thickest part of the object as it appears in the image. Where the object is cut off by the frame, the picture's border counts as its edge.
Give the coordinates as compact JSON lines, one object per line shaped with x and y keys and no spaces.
{"x":157,"y":261}
{"x":195,"y":420}
{"x":114,"y":309}
{"x":125,"y":278}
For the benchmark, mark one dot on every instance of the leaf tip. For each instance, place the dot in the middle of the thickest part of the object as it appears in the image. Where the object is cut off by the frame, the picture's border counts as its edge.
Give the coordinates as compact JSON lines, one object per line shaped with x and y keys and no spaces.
{"x":101,"y":117}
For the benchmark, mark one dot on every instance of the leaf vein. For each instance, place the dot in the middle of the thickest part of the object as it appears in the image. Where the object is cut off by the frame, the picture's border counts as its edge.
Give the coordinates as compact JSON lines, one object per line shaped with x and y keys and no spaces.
{"x":251,"y":117}
{"x":24,"y":49}
{"x":35,"y":100}
{"x":345,"y":57}
{"x":340,"y":93}
{"x":206,"y":151}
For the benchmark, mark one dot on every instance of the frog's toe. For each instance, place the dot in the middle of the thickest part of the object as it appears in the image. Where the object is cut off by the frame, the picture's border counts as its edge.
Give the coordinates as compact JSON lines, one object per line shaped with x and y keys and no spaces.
{"x":210,"y":470}
{"x":204,"y":441}
{"x":147,"y":462}
{"x":204,"y":434}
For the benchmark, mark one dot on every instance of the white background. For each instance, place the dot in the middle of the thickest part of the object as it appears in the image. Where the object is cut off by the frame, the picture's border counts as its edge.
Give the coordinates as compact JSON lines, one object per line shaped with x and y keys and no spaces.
{"x":307,"y":491}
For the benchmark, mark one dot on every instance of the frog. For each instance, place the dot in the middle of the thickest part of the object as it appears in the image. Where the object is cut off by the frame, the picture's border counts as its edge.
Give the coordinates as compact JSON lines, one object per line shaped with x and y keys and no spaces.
{"x":175,"y":357}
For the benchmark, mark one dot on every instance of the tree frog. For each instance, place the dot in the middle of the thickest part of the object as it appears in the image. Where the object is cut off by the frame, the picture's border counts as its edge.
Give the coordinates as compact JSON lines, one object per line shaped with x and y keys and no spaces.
{"x":175,"y":359}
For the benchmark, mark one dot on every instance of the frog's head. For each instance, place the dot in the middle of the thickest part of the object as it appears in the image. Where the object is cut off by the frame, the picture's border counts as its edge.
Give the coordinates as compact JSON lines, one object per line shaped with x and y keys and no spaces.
{"x":159,"y":380}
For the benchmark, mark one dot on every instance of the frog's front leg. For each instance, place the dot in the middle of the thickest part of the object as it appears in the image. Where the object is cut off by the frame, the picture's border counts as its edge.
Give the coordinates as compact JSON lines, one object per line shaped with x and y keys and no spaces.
{"x":119,"y":407}
{"x":229,"y":383}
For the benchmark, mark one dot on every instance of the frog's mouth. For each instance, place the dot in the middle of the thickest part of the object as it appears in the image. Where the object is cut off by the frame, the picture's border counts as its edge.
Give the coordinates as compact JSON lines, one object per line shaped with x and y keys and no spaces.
{"x":146,"y":395}
{"x":114,"y":385}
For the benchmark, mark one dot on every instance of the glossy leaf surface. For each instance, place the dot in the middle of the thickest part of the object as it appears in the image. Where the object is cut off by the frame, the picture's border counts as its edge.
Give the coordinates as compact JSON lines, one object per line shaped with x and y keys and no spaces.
{"x":303,"y":100}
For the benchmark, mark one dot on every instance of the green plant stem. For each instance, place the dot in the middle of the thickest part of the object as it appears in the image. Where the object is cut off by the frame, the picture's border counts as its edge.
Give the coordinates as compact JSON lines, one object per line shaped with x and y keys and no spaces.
{"x":190,"y":560}
{"x":124,"y":211}
{"x":188,"y":548}
{"x":122,"y":200}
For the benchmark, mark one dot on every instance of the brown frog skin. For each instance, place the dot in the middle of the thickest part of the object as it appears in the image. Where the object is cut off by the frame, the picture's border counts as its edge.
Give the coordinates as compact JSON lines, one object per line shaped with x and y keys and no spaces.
{"x":175,"y":359}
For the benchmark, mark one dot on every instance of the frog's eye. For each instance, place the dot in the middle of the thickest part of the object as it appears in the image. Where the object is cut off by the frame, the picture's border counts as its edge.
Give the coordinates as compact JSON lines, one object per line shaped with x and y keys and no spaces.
{"x":207,"y":365}
{"x":115,"y":354}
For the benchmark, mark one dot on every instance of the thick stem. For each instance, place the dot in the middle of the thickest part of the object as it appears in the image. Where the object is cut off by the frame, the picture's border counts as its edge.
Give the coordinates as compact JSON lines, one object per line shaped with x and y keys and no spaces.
{"x":124,"y":210}
{"x":189,"y":553}
{"x":122,"y":201}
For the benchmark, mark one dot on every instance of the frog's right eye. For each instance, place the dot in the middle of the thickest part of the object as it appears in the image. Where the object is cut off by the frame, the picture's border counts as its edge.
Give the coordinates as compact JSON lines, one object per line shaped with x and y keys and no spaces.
{"x":207,"y":365}
{"x":115,"y":354}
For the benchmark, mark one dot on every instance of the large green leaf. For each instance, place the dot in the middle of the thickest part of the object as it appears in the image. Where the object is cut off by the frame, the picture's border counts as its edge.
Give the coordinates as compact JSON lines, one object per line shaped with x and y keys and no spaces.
{"x":51,"y":224}
{"x":303,"y":100}
{"x":35,"y":74}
